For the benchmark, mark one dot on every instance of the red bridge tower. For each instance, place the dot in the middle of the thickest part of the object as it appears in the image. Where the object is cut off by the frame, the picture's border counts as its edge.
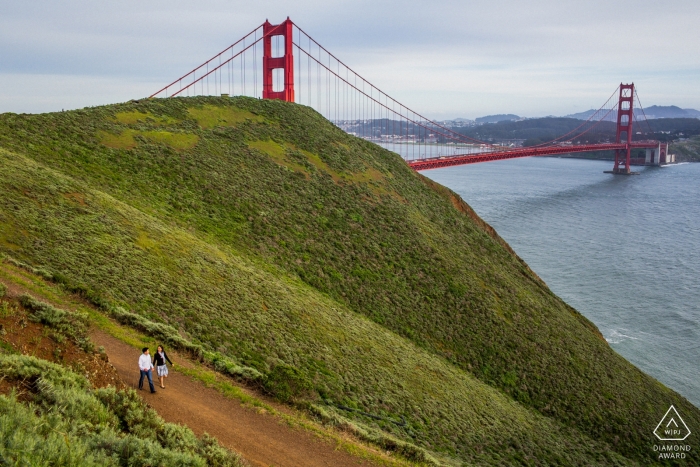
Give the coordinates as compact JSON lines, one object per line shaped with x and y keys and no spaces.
{"x":284,"y":62}
{"x":625,"y":115}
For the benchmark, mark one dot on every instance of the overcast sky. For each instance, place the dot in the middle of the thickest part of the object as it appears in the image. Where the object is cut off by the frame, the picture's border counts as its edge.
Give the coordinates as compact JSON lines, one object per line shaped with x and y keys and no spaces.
{"x":444,"y":58}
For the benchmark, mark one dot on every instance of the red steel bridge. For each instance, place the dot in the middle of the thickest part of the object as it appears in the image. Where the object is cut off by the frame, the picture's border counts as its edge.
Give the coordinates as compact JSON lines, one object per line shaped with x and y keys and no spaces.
{"x":283,"y":62}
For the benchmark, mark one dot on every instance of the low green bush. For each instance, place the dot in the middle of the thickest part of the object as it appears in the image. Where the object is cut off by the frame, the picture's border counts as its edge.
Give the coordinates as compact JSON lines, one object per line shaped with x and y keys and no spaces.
{"x":377,"y":437}
{"x":230,"y":367}
{"x":38,"y":271}
{"x":3,"y":290}
{"x":168,"y":334}
{"x":287,"y":383}
{"x":31,"y":439}
{"x":67,"y":323}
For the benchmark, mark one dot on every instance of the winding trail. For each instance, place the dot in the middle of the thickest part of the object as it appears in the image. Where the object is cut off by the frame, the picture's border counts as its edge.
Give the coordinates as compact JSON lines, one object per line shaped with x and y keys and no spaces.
{"x":261,"y":438}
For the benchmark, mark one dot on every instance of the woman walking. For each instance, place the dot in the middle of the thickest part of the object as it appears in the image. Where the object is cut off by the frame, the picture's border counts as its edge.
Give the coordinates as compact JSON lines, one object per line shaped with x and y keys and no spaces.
{"x":159,"y":359}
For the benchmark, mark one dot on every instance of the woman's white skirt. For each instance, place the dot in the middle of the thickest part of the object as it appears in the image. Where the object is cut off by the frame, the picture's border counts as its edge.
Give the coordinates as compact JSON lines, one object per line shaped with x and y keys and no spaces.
{"x":162,"y":370}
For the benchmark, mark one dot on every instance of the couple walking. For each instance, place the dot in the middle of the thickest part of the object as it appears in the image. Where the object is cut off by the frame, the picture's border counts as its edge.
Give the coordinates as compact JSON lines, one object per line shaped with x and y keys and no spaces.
{"x":146,"y":367}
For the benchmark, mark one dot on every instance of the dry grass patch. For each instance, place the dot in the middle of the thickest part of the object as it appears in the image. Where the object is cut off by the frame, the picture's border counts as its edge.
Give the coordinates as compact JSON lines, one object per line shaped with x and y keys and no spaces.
{"x":210,"y":116}
{"x":123,"y":140}
{"x":177,"y":141}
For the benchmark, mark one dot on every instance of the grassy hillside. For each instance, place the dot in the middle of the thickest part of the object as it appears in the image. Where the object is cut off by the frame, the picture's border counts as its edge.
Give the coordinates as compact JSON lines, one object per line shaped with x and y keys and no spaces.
{"x":264,"y":233}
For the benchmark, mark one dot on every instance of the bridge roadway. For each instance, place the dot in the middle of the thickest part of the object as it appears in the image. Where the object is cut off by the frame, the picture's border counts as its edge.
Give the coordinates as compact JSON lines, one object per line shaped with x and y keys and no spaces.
{"x":449,"y":161}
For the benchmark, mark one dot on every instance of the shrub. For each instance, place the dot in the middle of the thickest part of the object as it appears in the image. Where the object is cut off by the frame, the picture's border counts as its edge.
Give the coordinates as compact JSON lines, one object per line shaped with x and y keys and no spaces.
{"x":287,"y":383}
{"x":228,"y":366}
{"x":387,"y":442}
{"x":22,"y":367}
{"x":3,"y":290}
{"x":130,"y":411}
{"x":69,"y":324}
{"x":38,"y":271}
{"x":168,"y":334}
{"x":32,"y":439}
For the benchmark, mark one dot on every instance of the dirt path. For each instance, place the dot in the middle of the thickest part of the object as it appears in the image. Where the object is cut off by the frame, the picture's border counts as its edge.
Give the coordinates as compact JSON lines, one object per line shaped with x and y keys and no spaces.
{"x":260,"y":438}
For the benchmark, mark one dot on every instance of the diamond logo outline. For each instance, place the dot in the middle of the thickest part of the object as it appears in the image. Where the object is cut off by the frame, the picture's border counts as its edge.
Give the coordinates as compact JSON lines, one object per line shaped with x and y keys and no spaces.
{"x":672,"y":420}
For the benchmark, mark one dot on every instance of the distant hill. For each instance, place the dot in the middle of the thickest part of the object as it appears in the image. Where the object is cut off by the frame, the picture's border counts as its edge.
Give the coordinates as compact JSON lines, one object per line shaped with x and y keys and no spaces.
{"x":497,"y":118}
{"x":540,"y":130}
{"x":653,"y":112}
{"x":670,"y":111}
{"x":582,"y":115}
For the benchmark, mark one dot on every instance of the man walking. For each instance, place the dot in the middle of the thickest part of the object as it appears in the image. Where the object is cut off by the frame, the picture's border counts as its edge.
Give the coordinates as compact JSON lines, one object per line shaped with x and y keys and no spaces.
{"x":146,"y":368}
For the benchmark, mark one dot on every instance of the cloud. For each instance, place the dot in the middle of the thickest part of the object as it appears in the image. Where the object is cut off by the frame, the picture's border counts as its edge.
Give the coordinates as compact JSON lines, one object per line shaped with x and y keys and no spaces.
{"x":444,"y":58}
{"x":31,"y":93}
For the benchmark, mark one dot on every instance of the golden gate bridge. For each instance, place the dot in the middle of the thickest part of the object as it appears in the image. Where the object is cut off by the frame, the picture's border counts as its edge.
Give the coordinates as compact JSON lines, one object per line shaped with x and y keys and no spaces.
{"x":283,"y":62}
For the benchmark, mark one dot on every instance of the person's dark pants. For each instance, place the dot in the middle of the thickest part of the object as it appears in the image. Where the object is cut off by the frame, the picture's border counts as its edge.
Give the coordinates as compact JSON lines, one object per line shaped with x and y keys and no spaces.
{"x":148,"y":374}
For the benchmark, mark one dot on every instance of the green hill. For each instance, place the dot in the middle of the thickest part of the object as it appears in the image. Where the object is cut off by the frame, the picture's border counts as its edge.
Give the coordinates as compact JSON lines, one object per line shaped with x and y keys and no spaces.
{"x":262,"y":232}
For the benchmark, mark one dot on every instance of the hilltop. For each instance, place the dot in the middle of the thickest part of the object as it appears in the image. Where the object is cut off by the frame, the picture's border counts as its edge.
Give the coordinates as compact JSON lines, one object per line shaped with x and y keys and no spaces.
{"x":497,"y":118}
{"x":320,"y":268}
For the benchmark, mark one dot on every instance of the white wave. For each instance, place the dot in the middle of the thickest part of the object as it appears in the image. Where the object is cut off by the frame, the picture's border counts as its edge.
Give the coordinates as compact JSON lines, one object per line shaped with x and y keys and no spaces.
{"x":616,"y":337}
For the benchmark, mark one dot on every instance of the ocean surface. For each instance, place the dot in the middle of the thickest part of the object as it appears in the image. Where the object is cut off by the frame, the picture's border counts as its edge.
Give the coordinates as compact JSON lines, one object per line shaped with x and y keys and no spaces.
{"x":623,"y":250}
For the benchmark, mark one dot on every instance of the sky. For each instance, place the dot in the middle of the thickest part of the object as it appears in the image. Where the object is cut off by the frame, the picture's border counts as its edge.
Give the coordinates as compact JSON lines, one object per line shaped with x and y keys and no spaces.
{"x":446,"y":59}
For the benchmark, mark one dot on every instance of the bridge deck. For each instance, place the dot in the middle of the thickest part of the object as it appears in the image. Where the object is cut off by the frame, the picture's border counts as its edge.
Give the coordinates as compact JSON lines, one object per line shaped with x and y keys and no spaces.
{"x":440,"y":162}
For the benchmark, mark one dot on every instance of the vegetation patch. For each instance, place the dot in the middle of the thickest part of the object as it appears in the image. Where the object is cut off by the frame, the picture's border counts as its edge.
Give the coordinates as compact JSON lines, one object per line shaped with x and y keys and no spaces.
{"x":75,"y":198}
{"x":177,"y":141}
{"x":287,"y":383}
{"x":211,"y":116}
{"x":135,"y":117}
{"x":271,"y":148}
{"x":278,"y":153}
{"x":302,"y":161}
{"x":123,"y":140}
{"x":127,"y":139}
{"x":70,"y":324}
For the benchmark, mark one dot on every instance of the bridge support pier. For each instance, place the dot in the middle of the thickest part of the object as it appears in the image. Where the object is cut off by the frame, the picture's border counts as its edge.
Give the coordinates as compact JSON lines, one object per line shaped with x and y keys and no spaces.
{"x":663,"y":154}
{"x":620,"y":172}
{"x":651,"y":156}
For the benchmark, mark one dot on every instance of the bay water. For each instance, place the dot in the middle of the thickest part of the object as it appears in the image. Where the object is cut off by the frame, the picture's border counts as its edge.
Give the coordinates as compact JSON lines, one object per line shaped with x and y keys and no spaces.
{"x":622,"y":250}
